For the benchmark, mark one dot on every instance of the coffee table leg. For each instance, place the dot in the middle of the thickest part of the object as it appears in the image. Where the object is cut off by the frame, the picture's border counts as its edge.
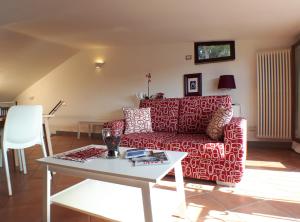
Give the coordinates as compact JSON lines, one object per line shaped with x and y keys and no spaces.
{"x":146,"y":194}
{"x":180,"y":189}
{"x":46,"y":195}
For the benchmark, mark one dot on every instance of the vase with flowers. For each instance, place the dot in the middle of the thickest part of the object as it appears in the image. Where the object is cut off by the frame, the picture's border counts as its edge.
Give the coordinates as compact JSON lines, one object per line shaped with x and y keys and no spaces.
{"x":148,"y":76}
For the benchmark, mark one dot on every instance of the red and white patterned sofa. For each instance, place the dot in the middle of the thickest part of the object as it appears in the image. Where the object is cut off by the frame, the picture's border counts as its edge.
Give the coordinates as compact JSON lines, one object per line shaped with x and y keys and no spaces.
{"x":179,"y":124}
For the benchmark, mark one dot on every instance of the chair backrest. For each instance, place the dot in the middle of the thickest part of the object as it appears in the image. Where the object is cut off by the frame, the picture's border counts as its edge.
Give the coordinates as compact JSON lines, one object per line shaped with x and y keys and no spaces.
{"x":23,"y":124}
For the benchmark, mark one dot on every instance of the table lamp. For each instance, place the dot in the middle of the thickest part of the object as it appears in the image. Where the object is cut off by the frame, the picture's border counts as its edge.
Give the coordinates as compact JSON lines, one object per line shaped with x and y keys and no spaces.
{"x":226,"y":82}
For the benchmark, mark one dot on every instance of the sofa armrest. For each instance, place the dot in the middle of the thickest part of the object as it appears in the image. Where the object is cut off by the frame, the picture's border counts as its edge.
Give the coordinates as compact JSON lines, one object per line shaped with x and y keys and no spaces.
{"x":235,"y":140}
{"x":115,"y":124}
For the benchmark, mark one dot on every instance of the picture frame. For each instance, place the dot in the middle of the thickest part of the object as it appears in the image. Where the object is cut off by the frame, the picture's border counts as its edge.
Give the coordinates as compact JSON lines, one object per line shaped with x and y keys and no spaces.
{"x":193,"y":84}
{"x":215,"y":51}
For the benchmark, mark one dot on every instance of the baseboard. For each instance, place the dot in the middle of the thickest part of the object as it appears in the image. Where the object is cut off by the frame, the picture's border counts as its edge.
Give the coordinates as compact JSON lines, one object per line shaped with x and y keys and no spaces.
{"x":66,"y":133}
{"x":251,"y":144}
{"x":82,"y":134}
{"x":270,"y":144}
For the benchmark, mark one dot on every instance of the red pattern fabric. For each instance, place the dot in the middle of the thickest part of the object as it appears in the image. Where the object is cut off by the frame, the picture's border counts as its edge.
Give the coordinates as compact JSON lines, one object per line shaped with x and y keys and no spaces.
{"x":197,"y":146}
{"x":229,"y":169}
{"x":207,"y":159}
{"x":146,"y":140}
{"x":205,"y":169}
{"x":235,"y":140}
{"x":195,"y":112}
{"x":115,"y":124}
{"x":164,"y":114}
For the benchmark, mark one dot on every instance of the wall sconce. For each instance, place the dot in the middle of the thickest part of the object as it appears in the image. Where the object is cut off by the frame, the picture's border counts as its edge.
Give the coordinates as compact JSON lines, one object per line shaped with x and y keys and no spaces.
{"x":99,"y":65}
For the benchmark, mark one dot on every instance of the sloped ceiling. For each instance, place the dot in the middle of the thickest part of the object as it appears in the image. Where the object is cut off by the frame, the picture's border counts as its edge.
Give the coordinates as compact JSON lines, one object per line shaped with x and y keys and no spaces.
{"x":36,"y":36}
{"x":24,"y":60}
{"x":96,"y":23}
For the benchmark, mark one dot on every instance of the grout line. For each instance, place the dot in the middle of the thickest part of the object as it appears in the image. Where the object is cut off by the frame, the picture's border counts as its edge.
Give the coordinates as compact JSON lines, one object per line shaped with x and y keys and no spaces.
{"x":247,"y":205}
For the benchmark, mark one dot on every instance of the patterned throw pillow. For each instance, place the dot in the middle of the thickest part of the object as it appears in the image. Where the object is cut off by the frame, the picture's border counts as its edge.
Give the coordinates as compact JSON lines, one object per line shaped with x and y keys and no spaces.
{"x":137,"y":120}
{"x":220,"y":118}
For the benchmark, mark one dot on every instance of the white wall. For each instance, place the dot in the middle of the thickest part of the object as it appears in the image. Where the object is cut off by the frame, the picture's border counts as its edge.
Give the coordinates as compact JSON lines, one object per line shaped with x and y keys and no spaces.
{"x":92,"y":95}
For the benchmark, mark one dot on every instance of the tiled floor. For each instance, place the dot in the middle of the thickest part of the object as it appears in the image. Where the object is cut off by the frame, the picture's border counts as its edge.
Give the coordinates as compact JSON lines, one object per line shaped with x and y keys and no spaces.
{"x":270,"y":190}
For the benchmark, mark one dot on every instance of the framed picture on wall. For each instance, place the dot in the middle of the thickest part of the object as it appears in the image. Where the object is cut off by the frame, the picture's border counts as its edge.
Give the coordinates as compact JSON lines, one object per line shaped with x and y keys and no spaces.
{"x":217,"y":51}
{"x":193,"y":84}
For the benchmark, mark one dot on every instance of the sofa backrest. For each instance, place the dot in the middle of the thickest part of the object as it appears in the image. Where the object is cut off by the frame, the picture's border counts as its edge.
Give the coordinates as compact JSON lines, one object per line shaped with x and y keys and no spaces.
{"x":164,"y":114}
{"x":196,"y":112}
{"x":184,"y":115}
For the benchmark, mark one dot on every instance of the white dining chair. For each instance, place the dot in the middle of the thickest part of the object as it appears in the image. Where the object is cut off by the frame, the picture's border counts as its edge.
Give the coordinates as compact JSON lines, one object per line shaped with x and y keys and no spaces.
{"x":1,"y":136}
{"x":22,"y":129}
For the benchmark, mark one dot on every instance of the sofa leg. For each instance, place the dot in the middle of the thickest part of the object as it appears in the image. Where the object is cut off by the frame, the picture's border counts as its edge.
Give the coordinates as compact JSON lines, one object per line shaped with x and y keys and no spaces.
{"x":227,"y":184}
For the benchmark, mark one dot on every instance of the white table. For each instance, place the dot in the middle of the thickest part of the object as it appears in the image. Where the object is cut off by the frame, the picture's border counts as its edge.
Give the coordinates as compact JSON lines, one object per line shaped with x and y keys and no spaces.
{"x":116,"y":190}
{"x":90,"y":124}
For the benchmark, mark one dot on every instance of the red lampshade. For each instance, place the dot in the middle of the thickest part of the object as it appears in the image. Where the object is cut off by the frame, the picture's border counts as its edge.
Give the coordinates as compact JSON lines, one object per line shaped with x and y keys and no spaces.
{"x":226,"y":82}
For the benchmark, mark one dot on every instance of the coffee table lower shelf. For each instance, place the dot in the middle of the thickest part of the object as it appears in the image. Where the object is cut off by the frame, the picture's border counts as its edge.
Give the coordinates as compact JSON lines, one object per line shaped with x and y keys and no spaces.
{"x":115,"y":202}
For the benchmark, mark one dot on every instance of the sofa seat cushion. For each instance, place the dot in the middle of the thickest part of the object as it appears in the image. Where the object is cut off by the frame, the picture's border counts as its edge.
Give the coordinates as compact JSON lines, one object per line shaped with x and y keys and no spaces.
{"x":152,"y":140}
{"x":164,"y":114}
{"x":195,"y":112}
{"x":197,"y":146}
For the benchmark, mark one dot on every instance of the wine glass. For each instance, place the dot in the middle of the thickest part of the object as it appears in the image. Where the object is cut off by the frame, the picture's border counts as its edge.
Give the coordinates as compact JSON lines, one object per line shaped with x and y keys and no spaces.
{"x":112,"y":139}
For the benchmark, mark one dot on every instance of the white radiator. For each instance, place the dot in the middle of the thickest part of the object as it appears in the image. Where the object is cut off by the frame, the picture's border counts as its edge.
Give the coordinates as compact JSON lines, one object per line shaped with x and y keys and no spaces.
{"x":274,"y":94}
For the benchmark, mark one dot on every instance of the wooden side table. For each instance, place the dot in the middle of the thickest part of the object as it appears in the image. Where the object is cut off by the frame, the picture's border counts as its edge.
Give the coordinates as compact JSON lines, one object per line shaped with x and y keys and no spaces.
{"x":90,"y":124}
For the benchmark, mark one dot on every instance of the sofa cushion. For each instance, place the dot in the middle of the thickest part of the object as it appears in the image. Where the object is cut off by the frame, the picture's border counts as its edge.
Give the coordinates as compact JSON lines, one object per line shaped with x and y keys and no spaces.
{"x":197,"y":145}
{"x":195,"y":112}
{"x":164,"y":114}
{"x":152,"y":140}
{"x":137,"y":120}
{"x":220,"y":119}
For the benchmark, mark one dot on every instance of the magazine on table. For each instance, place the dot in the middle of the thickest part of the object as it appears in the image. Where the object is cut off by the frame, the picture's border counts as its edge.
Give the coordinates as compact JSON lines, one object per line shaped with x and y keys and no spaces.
{"x":134,"y":153}
{"x":82,"y":154}
{"x":152,"y":158}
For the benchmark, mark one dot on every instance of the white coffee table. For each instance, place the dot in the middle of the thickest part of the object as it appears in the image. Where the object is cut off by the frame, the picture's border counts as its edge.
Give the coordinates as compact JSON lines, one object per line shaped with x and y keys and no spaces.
{"x":116,"y":190}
